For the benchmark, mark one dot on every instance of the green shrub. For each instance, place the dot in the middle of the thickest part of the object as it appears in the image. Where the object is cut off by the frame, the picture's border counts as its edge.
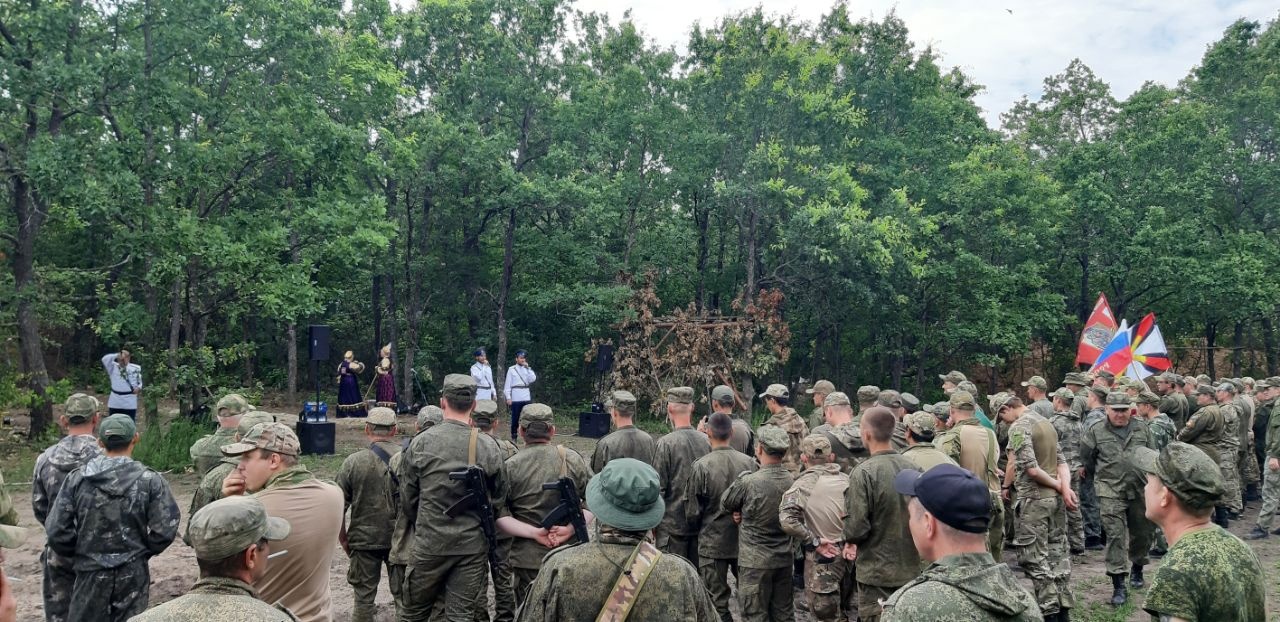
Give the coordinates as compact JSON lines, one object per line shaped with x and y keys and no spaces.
{"x":167,"y":447}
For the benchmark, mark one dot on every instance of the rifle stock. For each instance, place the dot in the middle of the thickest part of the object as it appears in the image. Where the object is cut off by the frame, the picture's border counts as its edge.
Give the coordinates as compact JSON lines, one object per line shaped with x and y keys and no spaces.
{"x":476,"y":501}
{"x":568,"y":511}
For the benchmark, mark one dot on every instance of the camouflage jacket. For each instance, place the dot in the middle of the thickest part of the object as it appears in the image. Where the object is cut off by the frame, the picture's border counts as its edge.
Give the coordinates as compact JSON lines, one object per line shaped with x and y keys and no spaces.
{"x":761,"y":541}
{"x":1204,"y":430}
{"x":54,"y":465}
{"x":1067,"y":424}
{"x":1093,"y":416}
{"x":206,"y":453}
{"x":1273,"y":430}
{"x":846,"y":445}
{"x":816,"y":418}
{"x":1175,"y":405}
{"x":709,"y":477}
{"x":508,"y":448}
{"x":876,"y":521}
{"x":675,"y":455}
{"x":1106,"y":452}
{"x":969,"y":587}
{"x":1042,"y":407}
{"x":527,"y":471}
{"x":217,"y":599}
{"x":1033,"y":443}
{"x":744,"y":438}
{"x":112,"y":512}
{"x":1208,"y":574}
{"x":794,"y":426}
{"x":1162,"y":430}
{"x":625,"y":442}
{"x":575,"y":581}
{"x":804,"y":516}
{"x":366,"y":491}
{"x":1230,"y":441}
{"x":209,"y":489}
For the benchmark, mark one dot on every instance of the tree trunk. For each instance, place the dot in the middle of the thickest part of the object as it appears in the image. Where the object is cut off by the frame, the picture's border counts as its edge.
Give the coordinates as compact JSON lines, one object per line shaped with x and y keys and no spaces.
{"x":31,"y":352}
{"x":175,"y":333}
{"x":1210,"y":338}
{"x":1269,"y":346}
{"x":291,"y":356}
{"x":376,"y":307}
{"x":1237,"y":349}
{"x":504,"y":292}
{"x":702,"y":218}
{"x":752,"y":251}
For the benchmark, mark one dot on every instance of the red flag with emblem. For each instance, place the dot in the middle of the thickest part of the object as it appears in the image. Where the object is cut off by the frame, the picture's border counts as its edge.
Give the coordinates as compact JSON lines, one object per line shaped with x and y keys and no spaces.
{"x":1097,"y":333}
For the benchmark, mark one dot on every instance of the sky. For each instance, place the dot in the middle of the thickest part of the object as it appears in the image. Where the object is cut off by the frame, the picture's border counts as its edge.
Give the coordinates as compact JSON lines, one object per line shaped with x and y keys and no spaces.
{"x":1008,"y":46}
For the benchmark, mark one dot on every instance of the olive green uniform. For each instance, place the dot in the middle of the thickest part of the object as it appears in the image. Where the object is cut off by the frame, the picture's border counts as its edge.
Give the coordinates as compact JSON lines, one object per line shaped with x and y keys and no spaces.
{"x":1067,"y":425}
{"x":877,"y":523}
{"x":367,"y":494}
{"x":627,"y":441}
{"x":206,"y":453}
{"x":925,"y":456}
{"x":1105,"y":452}
{"x":1208,"y":574}
{"x":527,"y":471}
{"x":765,"y":551}
{"x":709,"y":477}
{"x":1270,"y":478}
{"x":1204,"y":430}
{"x":794,"y":426}
{"x":217,"y":599}
{"x":1229,"y":457}
{"x":676,"y":453}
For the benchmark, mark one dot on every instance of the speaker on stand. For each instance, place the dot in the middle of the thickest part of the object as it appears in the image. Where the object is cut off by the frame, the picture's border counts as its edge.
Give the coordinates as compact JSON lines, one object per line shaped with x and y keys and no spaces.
{"x":595,"y":423}
{"x":316,"y":433}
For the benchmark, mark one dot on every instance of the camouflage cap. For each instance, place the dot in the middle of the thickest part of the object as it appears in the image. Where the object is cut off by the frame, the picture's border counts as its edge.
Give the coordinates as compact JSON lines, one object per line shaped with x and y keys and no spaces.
{"x":276,"y":437}
{"x":773,"y":437}
{"x":536,"y":414}
{"x":889,"y":399}
{"x":1226,"y":386}
{"x":1036,"y":381}
{"x":910,"y":402}
{"x":1119,"y":399}
{"x":381,"y":415}
{"x":822,"y":386}
{"x":967,"y":386}
{"x":1075,"y":378}
{"x":776,"y":390}
{"x":429,"y":416}
{"x":234,"y":404}
{"x":680,"y":395}
{"x":81,"y":407}
{"x":1104,"y":374}
{"x":1239,"y":385}
{"x":1168,"y":377}
{"x":1261,"y":385}
{"x":485,"y":412}
{"x":962,"y":400}
{"x":459,"y":386}
{"x":1247,"y":381}
{"x":1064,"y":394}
{"x":723,"y":395}
{"x":252,"y":418}
{"x":941,"y":410}
{"x":1101,"y":392}
{"x":232,"y":524}
{"x":953,"y":376}
{"x":816,"y":446}
{"x":921,"y":422}
{"x":623,"y":402}
{"x":117,"y":426}
{"x":868,"y":393}
{"x":1204,"y":389}
{"x":1147,"y":397}
{"x":1204,"y":379}
{"x":999,"y":400}
{"x":1191,"y":474}
{"x":836,"y":398}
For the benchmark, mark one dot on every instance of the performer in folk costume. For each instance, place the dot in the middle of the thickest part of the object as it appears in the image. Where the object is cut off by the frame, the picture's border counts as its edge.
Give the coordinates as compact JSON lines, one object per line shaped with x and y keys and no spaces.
{"x":350,"y":401}
{"x":386,"y":381}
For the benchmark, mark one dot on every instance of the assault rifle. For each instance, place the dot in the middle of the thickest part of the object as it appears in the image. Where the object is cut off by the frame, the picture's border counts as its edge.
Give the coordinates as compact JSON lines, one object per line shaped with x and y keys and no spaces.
{"x":477,"y":502}
{"x":568,"y":511}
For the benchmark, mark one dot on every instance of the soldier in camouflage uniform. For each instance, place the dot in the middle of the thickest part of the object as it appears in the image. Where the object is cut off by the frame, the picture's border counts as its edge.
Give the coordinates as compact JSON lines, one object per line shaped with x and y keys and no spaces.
{"x":11,"y":537}
{"x":974,"y":447}
{"x":110,"y":518}
{"x":485,"y":417}
{"x":1075,"y":382}
{"x":1246,"y":461}
{"x":210,"y":487}
{"x":812,"y":511}
{"x":367,"y":495}
{"x":842,"y":432}
{"x":1172,"y":401}
{"x":1205,"y":430}
{"x":1208,"y":573}
{"x":1038,"y":396}
{"x":1095,"y":399}
{"x":709,"y":477}
{"x":921,"y":429}
{"x":232,"y":538}
{"x":723,"y":401}
{"x":426,"y":491}
{"x":675,"y":455}
{"x":578,"y":582}
{"x":206,"y":453}
{"x":1162,"y":430}
{"x":893,"y":401}
{"x":868,"y":397}
{"x":1266,"y":394}
{"x":626,"y":440}
{"x":819,"y":391}
{"x":1041,"y":480}
{"x":1067,"y":425}
{"x":76,"y":449}
{"x":764,"y":549}
{"x":402,"y":531}
{"x":1189,"y":386}
{"x":1229,"y":450}
{"x":542,"y":461}
{"x":1105,"y":451}
{"x":949,"y":510}
{"x":784,"y":417}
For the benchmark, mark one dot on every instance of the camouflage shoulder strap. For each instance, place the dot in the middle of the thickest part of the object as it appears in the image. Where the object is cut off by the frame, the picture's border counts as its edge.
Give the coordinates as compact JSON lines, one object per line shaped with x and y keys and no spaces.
{"x":627,"y":588}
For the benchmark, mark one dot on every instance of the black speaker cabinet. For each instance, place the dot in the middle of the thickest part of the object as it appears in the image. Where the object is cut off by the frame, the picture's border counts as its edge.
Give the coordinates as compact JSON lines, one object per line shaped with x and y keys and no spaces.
{"x":593,"y":424}
{"x":317,"y":437}
{"x":318,"y":341}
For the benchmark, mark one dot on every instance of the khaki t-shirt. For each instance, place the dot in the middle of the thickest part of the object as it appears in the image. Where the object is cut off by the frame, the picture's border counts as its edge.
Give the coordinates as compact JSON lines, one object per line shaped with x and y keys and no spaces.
{"x":300,"y":579}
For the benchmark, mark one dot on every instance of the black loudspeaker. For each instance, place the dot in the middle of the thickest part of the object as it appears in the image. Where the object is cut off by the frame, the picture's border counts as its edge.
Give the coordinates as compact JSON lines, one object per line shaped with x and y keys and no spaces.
{"x":604,"y":357}
{"x":318,"y":341}
{"x":316,"y":437}
{"x":593,"y":424}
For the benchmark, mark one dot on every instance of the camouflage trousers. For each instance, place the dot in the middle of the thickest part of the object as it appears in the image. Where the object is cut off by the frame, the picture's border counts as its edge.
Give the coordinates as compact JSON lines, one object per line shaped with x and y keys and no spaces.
{"x":504,"y":590}
{"x":1249,"y":468}
{"x":1075,"y":522}
{"x":822,"y":588}
{"x":458,"y":580}
{"x":1090,"y":511}
{"x":685,"y":546}
{"x":869,"y":599}
{"x":1126,"y":524}
{"x":1229,"y":462}
{"x":995,"y":530}
{"x":715,"y":575}
{"x":59,"y":579}
{"x":1041,"y":541}
{"x":1270,"y":499}
{"x":364,"y":572}
{"x":113,"y":595}
{"x":765,"y":594}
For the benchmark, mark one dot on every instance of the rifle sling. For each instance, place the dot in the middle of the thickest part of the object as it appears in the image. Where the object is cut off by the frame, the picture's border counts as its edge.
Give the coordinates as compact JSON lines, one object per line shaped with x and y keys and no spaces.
{"x":627,"y":588}
{"x":564,"y":461}
{"x":471,"y":446}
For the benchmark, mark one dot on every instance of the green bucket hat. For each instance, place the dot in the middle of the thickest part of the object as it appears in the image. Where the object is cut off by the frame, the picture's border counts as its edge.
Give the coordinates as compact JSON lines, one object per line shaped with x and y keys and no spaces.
{"x":626,"y":495}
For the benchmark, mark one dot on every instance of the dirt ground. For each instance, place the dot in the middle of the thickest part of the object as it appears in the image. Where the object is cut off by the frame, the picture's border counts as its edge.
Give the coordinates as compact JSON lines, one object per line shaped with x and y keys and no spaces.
{"x":174,"y":571}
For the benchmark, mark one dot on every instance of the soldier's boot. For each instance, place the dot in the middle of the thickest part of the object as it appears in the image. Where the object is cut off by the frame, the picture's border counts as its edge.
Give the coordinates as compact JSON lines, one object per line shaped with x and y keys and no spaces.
{"x":1251,"y":493}
{"x":1258,"y":533}
{"x":1119,"y":593}
{"x":1135,"y":576}
{"x":1064,"y":614}
{"x":1093,"y":543}
{"x":1220,"y":516}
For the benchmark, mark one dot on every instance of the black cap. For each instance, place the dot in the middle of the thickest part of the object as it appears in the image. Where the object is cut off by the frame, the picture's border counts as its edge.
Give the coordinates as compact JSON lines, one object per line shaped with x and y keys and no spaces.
{"x":478,"y":352}
{"x":950,"y":493}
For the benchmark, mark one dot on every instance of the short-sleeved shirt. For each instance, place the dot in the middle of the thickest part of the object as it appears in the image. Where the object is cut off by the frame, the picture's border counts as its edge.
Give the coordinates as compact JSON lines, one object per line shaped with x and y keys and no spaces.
{"x":1208,"y":575}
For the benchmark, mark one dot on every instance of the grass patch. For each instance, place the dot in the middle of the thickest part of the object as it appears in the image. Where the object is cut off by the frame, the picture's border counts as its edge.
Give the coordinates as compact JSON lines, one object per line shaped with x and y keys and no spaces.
{"x":1103,"y":612}
{"x":168,"y":447}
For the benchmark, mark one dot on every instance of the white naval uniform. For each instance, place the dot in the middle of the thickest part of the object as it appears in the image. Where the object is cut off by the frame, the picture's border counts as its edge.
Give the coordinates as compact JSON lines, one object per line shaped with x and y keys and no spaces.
{"x":483,"y":375}
{"x":516,"y":388}
{"x":122,"y":385}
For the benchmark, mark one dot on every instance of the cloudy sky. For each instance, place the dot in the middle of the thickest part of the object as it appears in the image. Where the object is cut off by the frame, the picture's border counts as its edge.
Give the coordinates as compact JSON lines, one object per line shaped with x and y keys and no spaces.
{"x":1010,"y":53}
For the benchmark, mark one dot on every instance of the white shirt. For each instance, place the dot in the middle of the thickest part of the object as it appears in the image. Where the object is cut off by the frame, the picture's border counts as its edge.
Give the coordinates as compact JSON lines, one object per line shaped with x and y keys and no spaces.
{"x":483,"y":375}
{"x":122,"y":385}
{"x":516,"y":388}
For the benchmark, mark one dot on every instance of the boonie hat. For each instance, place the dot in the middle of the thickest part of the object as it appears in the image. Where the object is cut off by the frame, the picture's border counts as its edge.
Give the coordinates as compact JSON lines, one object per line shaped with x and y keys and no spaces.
{"x":627,"y":495}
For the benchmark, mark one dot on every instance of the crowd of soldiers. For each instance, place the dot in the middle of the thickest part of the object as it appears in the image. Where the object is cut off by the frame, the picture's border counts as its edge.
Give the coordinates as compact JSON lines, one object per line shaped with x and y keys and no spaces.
{"x":879,"y":506}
